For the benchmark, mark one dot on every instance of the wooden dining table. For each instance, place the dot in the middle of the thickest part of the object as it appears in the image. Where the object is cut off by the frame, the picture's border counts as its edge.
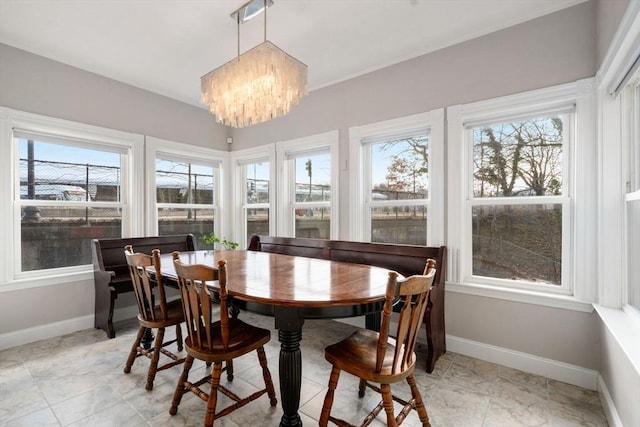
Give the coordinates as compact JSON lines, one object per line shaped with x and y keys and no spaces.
{"x":292,"y":289}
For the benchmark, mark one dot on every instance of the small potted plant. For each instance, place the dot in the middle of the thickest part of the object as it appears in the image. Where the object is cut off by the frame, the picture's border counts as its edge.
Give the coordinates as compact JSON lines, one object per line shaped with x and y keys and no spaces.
{"x":212,"y":239}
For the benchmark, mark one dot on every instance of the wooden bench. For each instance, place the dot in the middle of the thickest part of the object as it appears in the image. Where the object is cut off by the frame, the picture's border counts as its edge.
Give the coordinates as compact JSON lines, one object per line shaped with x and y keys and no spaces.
{"x":111,"y":274}
{"x":405,"y":259}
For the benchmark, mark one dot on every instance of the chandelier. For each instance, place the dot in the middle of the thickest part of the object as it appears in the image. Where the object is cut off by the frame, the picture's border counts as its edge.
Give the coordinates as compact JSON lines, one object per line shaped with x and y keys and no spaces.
{"x":263,"y":83}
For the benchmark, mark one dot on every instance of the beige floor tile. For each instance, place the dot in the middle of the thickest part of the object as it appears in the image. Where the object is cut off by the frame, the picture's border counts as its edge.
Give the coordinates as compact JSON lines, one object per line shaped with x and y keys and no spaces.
{"x":78,"y":380}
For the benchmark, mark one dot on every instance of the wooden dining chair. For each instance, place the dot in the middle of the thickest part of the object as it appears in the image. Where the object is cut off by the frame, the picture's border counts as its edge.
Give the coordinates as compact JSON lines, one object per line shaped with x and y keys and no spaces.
{"x":376,"y":357}
{"x":215,"y":341}
{"x":154,"y":312}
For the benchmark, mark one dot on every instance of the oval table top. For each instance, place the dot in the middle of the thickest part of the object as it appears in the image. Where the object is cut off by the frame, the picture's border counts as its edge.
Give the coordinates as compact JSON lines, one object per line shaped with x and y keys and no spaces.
{"x":287,"y":280}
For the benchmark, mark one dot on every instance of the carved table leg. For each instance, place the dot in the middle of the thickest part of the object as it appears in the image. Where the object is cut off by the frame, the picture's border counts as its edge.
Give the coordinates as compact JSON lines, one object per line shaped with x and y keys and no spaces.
{"x":289,"y":326}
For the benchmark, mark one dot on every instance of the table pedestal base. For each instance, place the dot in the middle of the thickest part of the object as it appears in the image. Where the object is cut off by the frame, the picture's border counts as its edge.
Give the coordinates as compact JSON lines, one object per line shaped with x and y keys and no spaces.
{"x":289,"y":325}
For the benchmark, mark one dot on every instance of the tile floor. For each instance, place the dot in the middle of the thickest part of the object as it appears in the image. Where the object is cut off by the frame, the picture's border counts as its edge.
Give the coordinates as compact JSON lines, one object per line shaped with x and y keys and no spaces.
{"x":77,"y":380}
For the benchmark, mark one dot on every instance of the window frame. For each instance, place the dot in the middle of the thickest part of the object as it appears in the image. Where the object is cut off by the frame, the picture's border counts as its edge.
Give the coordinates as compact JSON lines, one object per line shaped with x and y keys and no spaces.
{"x":239,"y":159}
{"x":630,"y":132}
{"x":578,"y":284}
{"x":218,"y":160}
{"x":286,"y":153}
{"x":619,"y":318}
{"x":87,"y":136}
{"x":360,"y":172}
{"x":564,"y":200}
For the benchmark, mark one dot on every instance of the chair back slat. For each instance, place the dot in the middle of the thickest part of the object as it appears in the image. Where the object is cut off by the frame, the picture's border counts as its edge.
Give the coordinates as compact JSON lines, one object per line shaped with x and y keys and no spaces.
{"x":197,"y":302}
{"x":387,"y":309}
{"x":147,"y":283}
{"x":412,"y":293}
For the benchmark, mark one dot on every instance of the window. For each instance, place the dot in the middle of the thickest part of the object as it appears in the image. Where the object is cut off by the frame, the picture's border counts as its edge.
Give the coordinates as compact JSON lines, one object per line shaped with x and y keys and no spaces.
{"x":513,"y":199}
{"x":186,"y":190}
{"x":397,"y":178}
{"x":256,"y":198}
{"x":254,"y":194}
{"x":631,"y":133}
{"x":70,"y":184}
{"x":185,"y":198}
{"x":309,"y":186}
{"x":519,"y":197}
{"x":68,"y":195}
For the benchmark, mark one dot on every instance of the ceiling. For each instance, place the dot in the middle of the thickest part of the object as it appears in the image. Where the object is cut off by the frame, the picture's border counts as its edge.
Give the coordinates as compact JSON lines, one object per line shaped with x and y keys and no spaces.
{"x":164,"y":46}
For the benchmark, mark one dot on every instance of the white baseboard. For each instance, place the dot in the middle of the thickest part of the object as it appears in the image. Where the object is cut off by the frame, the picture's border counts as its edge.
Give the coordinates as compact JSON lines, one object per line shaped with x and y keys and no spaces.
{"x":607,"y":404}
{"x":549,"y":368}
{"x":560,"y":371}
{"x":56,"y":329}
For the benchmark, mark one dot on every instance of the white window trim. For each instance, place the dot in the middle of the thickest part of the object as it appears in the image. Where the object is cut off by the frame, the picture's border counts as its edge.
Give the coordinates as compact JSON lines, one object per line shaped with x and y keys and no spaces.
{"x":285,"y":222}
{"x":132,"y":183}
{"x":434,"y":120}
{"x":612,"y":170}
{"x":583,"y":236}
{"x":239,"y":159}
{"x":217,"y":159}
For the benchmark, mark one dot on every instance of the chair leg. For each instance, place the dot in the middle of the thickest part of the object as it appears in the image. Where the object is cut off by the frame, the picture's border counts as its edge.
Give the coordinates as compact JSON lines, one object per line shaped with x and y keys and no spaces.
{"x":210,"y":415}
{"x":155,"y":358}
{"x":420,"y":408}
{"x":179,"y":337}
{"x":229,"y":367}
{"x":387,"y":399}
{"x":362,"y":387}
{"x":134,"y":350}
{"x":180,"y":388}
{"x":268,"y":382}
{"x":328,"y":398}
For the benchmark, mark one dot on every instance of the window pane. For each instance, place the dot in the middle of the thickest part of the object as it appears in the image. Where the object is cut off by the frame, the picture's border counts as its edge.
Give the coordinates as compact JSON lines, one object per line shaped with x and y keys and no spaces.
{"x":257,"y":183}
{"x":66,"y":173}
{"x":399,"y":224}
{"x":313,"y":222}
{"x":60,"y":237}
{"x":520,"y":242}
{"x":182,"y":221}
{"x":521,"y":158}
{"x":399,"y":169}
{"x":633,"y":252}
{"x":183,"y":183}
{"x":313,"y":178}
{"x":257,"y":222}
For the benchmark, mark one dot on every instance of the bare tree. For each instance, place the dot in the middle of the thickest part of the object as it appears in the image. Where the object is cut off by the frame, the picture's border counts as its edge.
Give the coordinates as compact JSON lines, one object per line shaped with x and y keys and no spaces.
{"x":409,"y":166}
{"x":518,"y":157}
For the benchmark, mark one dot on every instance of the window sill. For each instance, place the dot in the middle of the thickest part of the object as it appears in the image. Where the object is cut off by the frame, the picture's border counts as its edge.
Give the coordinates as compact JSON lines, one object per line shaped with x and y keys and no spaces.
{"x":49,"y":280}
{"x":524,"y":296}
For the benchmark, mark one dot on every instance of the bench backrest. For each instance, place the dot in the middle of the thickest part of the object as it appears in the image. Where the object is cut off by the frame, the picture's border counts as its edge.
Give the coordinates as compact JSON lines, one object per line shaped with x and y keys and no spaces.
{"x":108,"y":254}
{"x":405,"y":259}
{"x":310,"y":248}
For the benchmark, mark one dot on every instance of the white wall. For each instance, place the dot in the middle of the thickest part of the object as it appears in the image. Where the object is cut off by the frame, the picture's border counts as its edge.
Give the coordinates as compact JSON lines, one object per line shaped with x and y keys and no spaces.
{"x":35,"y":84}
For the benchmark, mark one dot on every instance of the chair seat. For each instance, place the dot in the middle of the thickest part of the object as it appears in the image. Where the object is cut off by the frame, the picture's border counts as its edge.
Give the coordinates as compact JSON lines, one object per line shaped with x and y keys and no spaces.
{"x":175,"y":315}
{"x":354,"y":355}
{"x":243,"y":338}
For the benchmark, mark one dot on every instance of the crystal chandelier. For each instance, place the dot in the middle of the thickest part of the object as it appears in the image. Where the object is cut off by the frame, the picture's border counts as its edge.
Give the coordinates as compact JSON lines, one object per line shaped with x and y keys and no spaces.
{"x":263,"y":83}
